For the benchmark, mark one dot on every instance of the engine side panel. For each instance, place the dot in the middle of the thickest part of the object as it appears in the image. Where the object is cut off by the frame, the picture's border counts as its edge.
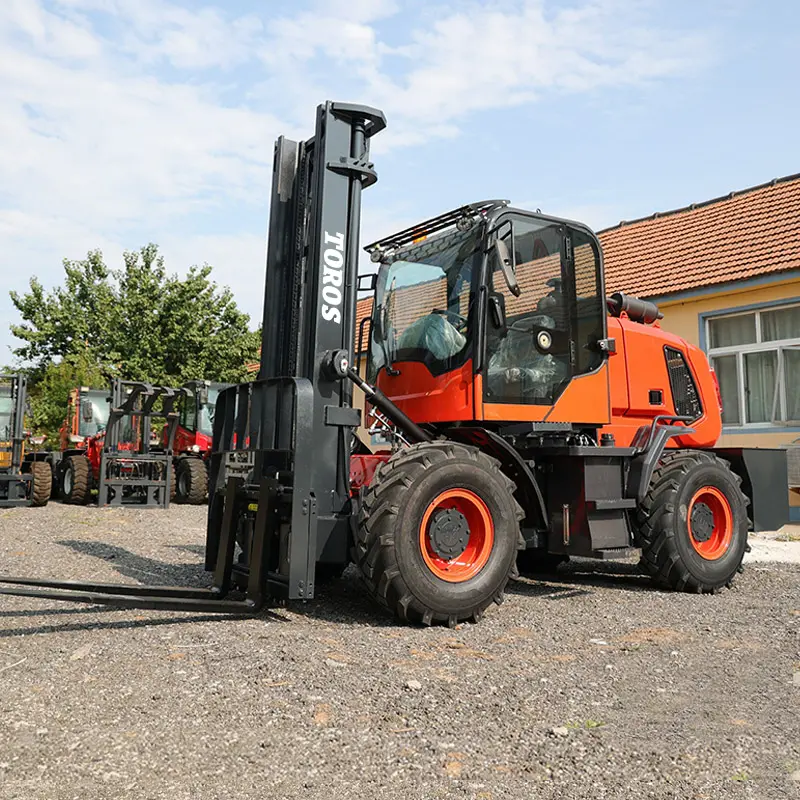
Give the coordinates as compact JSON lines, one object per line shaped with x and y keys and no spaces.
{"x":641,"y":388}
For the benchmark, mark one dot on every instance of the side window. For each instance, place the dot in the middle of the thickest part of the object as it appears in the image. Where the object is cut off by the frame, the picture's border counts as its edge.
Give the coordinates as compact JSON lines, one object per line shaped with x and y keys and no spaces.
{"x":189,"y":413}
{"x":553,"y":322}
{"x":589,"y":303}
{"x":518,"y":369}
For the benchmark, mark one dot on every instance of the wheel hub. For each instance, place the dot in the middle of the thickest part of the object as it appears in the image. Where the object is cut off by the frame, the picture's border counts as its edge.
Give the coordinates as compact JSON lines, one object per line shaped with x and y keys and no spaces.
{"x":449,"y":533}
{"x":702,"y":522}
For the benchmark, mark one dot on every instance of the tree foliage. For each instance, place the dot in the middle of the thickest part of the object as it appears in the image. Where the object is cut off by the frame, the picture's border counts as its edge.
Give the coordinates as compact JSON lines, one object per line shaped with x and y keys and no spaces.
{"x":137,"y":322}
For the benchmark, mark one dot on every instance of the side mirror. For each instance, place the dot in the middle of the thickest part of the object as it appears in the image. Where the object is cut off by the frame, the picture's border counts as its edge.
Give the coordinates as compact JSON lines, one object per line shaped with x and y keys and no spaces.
{"x":366,"y":283}
{"x":202,"y":396}
{"x":506,"y":262}
{"x":87,"y":411}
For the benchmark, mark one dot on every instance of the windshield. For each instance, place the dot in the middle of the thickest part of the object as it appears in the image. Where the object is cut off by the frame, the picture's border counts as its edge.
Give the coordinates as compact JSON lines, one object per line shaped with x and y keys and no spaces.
{"x":98,"y":400}
{"x":422,"y":303}
{"x":205,"y":421}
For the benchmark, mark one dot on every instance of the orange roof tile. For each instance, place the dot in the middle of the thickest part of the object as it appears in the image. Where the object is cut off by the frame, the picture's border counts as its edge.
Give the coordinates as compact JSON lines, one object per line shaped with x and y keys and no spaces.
{"x":742,"y":235}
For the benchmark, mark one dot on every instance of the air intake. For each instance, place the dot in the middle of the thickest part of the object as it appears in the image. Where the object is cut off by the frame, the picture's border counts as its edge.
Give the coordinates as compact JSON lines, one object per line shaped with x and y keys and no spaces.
{"x":684,"y":391}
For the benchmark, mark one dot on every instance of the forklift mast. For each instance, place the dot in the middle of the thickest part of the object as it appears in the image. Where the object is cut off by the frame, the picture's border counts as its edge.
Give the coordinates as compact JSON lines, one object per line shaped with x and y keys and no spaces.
{"x":288,"y":433}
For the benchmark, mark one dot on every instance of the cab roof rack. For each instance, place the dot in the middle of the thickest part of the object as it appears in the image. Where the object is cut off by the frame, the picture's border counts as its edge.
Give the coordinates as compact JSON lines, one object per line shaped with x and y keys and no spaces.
{"x":434,"y":224}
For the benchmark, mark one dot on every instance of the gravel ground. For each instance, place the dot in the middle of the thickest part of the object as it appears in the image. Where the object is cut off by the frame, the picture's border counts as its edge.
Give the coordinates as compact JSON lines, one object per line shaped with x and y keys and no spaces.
{"x":592,"y":684}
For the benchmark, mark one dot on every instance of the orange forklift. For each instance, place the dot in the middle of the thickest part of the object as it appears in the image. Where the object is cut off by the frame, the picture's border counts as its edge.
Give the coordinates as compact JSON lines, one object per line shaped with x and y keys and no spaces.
{"x":532,"y":415}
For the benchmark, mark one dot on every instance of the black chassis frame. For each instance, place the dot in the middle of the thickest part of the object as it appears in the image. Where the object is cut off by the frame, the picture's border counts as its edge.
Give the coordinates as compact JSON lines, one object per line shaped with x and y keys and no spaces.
{"x":15,"y":485}
{"x":279,"y":467}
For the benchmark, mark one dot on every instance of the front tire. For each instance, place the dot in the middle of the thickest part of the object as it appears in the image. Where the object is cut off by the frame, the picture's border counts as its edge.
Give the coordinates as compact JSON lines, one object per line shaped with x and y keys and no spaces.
{"x":42,"y":477}
{"x":75,"y":487}
{"x":692,"y":525}
{"x":191,"y":481}
{"x":438,"y":533}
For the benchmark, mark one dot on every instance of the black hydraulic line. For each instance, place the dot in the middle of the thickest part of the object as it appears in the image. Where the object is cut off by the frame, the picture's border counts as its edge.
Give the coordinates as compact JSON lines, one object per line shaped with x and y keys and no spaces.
{"x":384,"y":404}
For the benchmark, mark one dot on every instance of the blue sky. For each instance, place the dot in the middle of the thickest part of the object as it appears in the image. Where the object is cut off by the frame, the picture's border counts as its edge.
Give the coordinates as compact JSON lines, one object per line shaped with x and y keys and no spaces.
{"x":129,"y":121}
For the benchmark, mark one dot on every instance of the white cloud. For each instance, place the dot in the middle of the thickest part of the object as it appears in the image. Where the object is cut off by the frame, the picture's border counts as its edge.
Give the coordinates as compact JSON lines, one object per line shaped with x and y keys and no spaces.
{"x":120,"y":121}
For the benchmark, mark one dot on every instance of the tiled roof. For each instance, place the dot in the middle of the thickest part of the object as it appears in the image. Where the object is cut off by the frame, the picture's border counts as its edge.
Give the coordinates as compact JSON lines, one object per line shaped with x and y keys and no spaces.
{"x":743,"y":235}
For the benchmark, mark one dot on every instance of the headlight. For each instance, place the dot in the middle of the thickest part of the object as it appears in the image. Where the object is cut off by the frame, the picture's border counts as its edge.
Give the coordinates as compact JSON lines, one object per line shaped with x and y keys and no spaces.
{"x":195,"y":448}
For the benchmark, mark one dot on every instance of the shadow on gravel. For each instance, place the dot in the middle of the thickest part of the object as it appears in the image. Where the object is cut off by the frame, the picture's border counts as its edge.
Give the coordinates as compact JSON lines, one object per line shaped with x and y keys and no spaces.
{"x":194,"y":549}
{"x":148,"y":571}
{"x":118,"y":625}
{"x":531,"y":587}
{"x":579,"y":574}
{"x":54,"y":612}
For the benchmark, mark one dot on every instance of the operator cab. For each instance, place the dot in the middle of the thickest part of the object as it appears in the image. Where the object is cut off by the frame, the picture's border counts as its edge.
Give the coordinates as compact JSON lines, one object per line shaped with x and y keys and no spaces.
{"x":509,"y":302}
{"x":197,"y":408}
{"x":93,"y":412}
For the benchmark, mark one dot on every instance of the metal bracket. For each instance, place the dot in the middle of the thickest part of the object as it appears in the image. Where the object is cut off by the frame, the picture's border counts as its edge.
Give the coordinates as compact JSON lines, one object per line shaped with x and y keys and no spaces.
{"x":357,"y":167}
{"x":607,"y":345}
{"x":650,"y":442}
{"x":342,"y":417}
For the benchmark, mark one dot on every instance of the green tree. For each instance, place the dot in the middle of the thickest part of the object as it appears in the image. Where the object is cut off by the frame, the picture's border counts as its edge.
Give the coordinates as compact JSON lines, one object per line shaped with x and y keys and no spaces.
{"x":137,"y":322}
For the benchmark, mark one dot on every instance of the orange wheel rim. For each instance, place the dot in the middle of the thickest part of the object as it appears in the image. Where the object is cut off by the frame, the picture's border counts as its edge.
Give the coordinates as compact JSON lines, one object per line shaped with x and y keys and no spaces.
{"x":456,"y":535}
{"x":710,"y":521}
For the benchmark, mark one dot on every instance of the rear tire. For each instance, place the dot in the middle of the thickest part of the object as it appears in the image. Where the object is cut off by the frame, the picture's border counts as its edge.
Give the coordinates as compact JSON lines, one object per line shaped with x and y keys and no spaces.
{"x":74,"y":487}
{"x":191,"y":481}
{"x":42,"y":480}
{"x":424,"y":505}
{"x":692,"y":525}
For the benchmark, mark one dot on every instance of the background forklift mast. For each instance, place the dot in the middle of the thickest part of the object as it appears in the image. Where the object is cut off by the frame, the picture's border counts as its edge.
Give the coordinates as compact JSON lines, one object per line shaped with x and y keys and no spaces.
{"x":106,"y":446}
{"x":22,"y":482}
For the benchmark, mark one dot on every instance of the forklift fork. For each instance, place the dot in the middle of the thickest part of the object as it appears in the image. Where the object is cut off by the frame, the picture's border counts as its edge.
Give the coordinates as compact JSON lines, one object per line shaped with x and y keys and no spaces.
{"x":173,"y":598}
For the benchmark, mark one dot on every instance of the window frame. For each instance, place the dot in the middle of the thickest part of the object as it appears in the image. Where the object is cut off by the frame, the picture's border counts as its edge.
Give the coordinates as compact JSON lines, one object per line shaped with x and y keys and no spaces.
{"x":568,"y":229}
{"x":777,"y":346}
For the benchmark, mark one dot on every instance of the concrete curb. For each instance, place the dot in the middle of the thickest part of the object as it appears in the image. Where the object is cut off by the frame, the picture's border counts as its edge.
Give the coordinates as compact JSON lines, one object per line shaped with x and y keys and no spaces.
{"x":782,"y":546}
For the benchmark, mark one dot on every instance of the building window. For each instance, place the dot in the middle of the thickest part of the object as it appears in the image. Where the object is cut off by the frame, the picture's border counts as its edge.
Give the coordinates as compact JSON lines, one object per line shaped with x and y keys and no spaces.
{"x":756,"y":356}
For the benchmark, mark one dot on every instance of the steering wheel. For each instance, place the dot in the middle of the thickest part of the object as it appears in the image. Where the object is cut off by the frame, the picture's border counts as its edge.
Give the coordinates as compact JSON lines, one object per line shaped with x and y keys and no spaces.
{"x":461,"y":322}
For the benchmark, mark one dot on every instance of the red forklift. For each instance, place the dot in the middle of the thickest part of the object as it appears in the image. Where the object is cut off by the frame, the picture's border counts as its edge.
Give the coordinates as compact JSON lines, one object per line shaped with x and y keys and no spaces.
{"x":193,"y":438}
{"x":532,"y":416}
{"x":106,"y":449}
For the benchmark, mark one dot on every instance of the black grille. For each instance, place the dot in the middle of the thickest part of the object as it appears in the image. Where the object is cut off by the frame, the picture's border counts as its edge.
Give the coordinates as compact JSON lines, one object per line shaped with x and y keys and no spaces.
{"x":684,"y":391}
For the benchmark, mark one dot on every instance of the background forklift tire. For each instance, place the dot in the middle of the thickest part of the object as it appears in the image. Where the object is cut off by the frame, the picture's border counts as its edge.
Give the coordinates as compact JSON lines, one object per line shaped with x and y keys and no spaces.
{"x":191,"y":481}
{"x":74,"y":487}
{"x":42,"y":486}
{"x":438,"y":533}
{"x":692,"y":525}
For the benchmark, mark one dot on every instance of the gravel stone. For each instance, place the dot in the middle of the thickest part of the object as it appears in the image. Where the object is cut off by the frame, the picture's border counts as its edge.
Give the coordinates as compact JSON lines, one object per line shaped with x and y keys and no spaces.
{"x":98,"y":703}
